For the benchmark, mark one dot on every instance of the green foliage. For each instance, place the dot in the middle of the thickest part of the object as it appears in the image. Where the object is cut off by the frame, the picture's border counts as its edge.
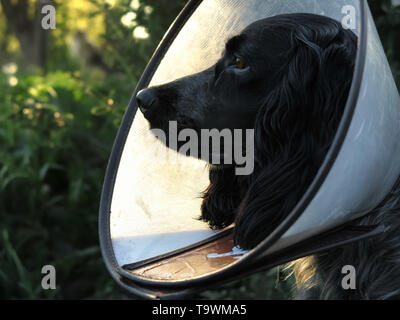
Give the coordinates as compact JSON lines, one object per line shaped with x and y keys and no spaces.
{"x":56,"y":132}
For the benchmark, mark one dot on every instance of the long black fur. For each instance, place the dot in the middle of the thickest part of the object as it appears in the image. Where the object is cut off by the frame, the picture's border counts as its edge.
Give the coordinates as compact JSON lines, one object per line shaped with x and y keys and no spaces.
{"x":293,"y":93}
{"x":294,"y":127}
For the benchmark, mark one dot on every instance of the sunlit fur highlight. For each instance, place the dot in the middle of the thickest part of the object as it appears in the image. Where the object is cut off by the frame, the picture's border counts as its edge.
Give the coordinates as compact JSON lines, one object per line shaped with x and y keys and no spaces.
{"x":376,"y":261}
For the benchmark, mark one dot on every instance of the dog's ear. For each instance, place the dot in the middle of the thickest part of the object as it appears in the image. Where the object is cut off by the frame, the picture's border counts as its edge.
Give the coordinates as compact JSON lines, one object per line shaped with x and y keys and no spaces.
{"x":222,"y":197}
{"x":295,"y":127}
{"x":314,"y":80}
{"x":274,"y":191}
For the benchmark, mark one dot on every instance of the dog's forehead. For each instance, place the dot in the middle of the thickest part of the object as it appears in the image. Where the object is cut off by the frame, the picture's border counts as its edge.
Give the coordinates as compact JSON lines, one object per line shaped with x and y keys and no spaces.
{"x":265,"y":24}
{"x":285,"y":21}
{"x":247,"y":36}
{"x":257,"y":26}
{"x":261,"y":30}
{"x":259,"y":37}
{"x":279,"y":22}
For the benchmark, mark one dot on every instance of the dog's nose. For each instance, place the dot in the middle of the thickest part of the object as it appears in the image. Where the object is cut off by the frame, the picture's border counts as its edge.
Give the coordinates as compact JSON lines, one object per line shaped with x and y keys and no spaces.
{"x":146,"y":99}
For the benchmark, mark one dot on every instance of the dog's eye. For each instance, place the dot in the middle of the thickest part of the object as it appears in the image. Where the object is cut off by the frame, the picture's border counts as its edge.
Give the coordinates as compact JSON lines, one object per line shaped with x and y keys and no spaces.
{"x":240,"y":64}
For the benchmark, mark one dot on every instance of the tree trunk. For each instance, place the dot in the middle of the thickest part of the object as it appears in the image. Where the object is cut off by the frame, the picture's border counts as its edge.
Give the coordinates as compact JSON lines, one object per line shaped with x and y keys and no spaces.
{"x":33,"y":39}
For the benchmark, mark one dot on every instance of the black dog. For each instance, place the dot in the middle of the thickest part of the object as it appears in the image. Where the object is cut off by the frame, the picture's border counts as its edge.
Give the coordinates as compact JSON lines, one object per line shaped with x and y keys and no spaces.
{"x":288,"y":77}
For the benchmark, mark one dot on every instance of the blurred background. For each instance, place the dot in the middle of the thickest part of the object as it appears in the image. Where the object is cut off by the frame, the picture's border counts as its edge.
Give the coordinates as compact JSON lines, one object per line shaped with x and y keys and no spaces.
{"x":62,"y":97}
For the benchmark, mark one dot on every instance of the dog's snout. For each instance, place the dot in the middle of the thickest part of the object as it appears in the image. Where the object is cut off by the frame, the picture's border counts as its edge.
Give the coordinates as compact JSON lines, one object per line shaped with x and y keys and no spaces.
{"x":146,"y":100}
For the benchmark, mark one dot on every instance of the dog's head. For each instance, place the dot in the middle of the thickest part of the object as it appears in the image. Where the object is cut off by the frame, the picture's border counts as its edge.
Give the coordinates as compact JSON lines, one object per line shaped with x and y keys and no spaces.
{"x":287,"y":77}
{"x":284,"y":60}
